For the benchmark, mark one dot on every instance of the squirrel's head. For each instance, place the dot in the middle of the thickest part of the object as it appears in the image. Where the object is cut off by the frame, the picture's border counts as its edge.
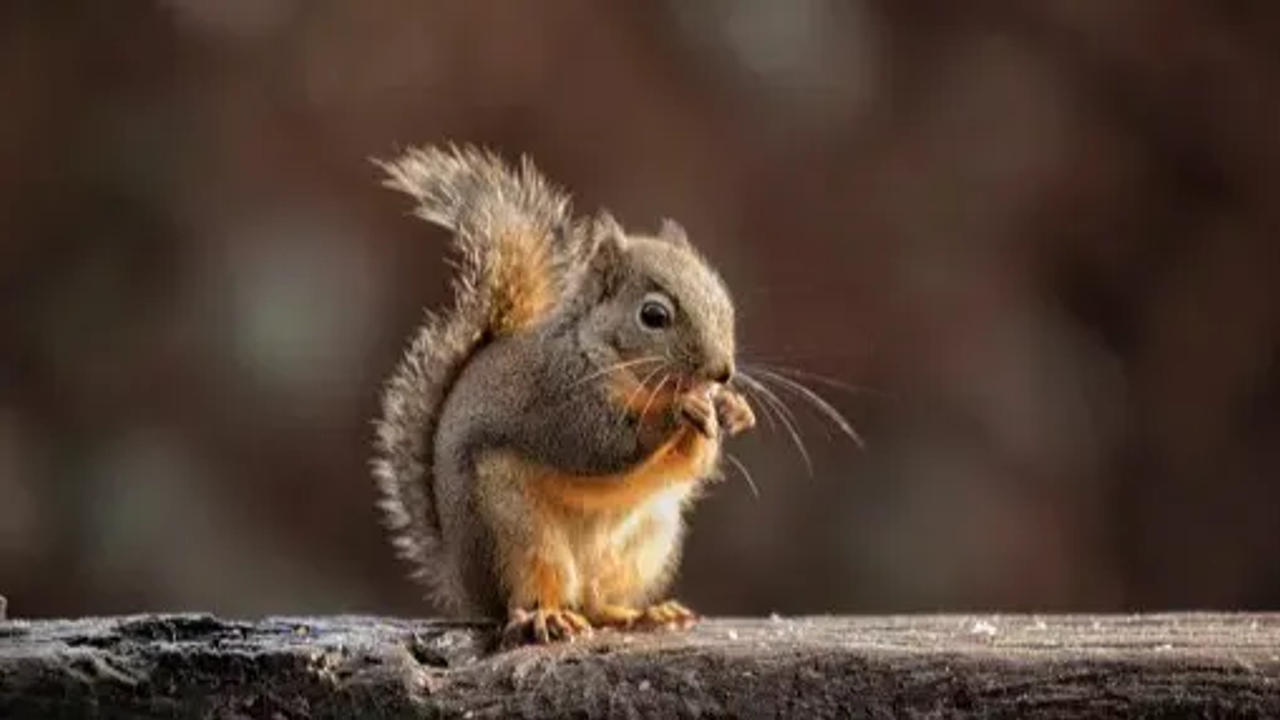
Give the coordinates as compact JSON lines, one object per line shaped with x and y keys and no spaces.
{"x":658,"y":298}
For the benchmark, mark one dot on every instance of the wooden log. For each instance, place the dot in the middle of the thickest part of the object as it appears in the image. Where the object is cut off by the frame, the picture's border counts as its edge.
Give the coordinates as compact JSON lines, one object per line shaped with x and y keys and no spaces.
{"x":1173,"y":665}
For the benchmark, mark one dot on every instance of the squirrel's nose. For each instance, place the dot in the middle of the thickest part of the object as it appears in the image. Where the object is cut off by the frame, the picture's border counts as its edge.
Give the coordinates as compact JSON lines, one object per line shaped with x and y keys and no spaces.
{"x":721,"y":373}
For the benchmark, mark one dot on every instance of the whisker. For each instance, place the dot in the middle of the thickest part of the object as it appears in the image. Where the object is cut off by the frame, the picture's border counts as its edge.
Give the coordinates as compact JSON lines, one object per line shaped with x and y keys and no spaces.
{"x":815,"y":377}
{"x":783,"y":413}
{"x":783,"y":410}
{"x":615,"y":367}
{"x":765,"y":409}
{"x":755,"y":491}
{"x":779,"y":398}
{"x":641,"y":387}
{"x":818,"y":402}
{"x":780,"y":406}
{"x":652,"y":396}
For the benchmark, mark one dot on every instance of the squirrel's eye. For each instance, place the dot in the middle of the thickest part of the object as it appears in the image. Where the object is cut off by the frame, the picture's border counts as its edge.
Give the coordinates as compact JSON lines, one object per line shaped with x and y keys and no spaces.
{"x":655,"y":315}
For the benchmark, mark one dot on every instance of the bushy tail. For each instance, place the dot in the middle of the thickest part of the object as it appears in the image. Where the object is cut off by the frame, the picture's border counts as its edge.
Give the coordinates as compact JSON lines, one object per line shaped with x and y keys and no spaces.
{"x":511,"y":231}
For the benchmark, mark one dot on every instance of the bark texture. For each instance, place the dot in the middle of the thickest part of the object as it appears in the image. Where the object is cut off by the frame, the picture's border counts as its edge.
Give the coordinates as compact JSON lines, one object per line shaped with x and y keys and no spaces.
{"x":1216,"y":665}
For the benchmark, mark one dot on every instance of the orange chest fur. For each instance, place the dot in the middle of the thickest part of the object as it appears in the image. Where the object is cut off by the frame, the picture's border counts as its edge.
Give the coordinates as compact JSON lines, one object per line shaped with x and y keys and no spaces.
{"x":684,"y":459}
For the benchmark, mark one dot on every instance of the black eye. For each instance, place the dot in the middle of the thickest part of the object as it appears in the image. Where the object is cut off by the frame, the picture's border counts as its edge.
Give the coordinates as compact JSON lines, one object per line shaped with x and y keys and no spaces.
{"x":655,"y":315}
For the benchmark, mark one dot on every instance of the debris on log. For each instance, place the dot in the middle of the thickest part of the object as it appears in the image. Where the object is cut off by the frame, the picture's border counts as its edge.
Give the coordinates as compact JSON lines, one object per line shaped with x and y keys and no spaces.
{"x":1218,"y":665}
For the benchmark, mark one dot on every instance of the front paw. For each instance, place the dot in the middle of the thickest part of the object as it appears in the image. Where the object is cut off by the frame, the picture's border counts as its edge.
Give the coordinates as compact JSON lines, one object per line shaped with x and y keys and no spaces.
{"x":699,"y":411}
{"x":735,"y":414}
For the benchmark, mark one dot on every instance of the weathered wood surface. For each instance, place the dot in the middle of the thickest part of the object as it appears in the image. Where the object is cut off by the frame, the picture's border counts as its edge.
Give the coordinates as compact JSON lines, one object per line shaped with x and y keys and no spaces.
{"x":1215,"y":665}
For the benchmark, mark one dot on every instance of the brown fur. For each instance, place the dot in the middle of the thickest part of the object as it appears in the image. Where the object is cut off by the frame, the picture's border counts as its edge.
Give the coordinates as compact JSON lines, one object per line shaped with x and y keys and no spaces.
{"x":525,"y":274}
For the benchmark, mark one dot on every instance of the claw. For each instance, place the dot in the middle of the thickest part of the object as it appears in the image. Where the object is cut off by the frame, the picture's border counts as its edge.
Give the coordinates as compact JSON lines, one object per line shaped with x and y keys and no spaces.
{"x":544,"y":626}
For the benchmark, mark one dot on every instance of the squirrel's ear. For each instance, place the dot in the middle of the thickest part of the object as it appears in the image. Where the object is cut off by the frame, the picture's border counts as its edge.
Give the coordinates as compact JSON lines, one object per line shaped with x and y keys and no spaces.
{"x":608,"y":245}
{"x":673,"y":232}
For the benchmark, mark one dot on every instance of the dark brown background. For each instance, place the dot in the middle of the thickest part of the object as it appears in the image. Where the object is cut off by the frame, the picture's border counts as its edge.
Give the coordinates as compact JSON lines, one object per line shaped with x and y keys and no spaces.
{"x":1043,"y":234}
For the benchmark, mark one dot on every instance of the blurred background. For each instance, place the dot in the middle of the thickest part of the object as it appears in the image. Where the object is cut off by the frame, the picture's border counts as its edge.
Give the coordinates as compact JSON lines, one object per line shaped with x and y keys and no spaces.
{"x":1041,"y":235}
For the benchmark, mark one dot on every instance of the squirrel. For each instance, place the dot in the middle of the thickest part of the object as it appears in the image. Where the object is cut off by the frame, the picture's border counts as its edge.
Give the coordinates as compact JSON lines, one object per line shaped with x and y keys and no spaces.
{"x":541,"y":439}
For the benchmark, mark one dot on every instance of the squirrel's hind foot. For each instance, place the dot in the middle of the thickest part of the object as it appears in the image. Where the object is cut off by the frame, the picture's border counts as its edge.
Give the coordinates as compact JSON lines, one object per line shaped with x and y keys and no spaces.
{"x":543,"y":626}
{"x":664,"y":615}
{"x":617,"y":616}
{"x":669,"y":614}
